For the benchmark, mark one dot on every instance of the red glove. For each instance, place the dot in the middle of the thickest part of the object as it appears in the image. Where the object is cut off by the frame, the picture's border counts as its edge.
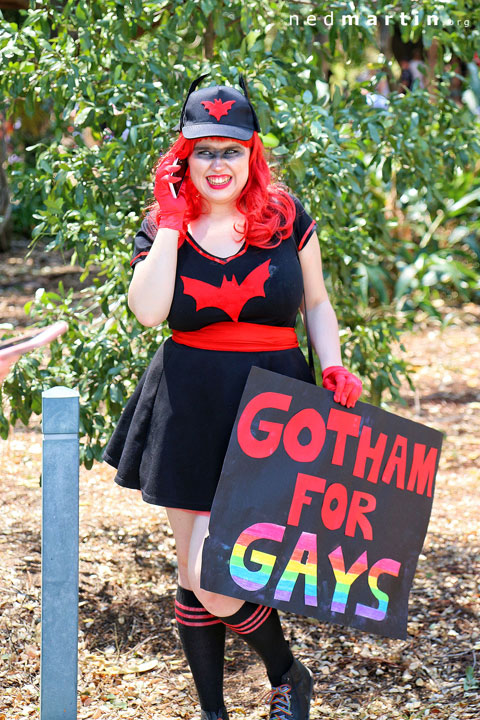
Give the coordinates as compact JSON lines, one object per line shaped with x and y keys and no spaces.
{"x":172,"y":210}
{"x":347,"y":387}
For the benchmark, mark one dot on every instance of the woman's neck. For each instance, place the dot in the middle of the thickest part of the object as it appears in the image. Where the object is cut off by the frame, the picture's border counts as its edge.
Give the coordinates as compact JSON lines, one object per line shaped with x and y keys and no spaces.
{"x":220,"y":211}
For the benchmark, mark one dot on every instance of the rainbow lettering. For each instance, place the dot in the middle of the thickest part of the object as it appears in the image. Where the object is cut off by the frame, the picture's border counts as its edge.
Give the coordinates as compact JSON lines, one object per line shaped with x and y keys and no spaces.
{"x":344,"y":580}
{"x":307,"y":541}
{"x":254,"y":579}
{"x":385,"y":565}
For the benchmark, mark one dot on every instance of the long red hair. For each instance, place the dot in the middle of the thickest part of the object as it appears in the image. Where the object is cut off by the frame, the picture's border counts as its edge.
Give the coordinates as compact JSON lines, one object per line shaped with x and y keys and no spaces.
{"x":267,"y":207}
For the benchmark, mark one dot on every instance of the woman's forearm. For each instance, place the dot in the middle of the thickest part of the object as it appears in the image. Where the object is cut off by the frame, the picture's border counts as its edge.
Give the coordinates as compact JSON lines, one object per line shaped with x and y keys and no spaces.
{"x":151,"y":289}
{"x":323,"y":329}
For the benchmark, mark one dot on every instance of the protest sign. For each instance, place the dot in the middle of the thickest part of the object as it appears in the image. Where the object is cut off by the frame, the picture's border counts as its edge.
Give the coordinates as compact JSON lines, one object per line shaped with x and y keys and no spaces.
{"x":321,"y":510}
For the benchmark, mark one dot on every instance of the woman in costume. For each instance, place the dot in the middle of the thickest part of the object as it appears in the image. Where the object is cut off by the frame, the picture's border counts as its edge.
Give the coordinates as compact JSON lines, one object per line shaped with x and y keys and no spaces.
{"x":226,"y":263}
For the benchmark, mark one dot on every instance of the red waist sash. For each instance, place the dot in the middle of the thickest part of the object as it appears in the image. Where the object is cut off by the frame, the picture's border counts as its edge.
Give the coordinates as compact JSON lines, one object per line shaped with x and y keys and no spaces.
{"x":239,"y":337}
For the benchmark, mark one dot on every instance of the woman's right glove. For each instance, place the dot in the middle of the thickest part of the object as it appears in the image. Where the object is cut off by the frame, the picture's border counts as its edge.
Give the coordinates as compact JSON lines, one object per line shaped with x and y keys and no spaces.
{"x":346,"y":385}
{"x":172,"y":210}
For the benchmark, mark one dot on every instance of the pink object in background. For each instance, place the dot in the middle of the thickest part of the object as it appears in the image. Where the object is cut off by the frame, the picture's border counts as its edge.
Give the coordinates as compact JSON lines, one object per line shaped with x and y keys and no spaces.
{"x":12,"y":350}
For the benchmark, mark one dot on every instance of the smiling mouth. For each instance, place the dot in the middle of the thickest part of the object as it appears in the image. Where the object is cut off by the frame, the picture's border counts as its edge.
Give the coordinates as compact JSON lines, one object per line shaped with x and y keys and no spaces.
{"x":218,"y":180}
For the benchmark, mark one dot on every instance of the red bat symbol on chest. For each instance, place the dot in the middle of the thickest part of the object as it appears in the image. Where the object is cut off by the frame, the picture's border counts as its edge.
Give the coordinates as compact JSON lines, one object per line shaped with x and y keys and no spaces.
{"x":230,"y":296}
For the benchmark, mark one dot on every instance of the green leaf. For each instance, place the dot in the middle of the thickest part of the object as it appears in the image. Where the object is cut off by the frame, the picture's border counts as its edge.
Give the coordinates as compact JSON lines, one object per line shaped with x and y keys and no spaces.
{"x":298,"y":167}
{"x":470,"y":681}
{"x":387,"y":169}
{"x":374,"y":133}
{"x":84,"y":116}
{"x":80,"y":12}
{"x":269,"y":140}
{"x":463,"y":202}
{"x":281,"y":150}
{"x":116,"y":394}
{"x":317,"y":129}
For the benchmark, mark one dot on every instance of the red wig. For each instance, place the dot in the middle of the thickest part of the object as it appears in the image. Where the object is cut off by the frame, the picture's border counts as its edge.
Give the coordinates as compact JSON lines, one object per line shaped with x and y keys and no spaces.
{"x":267,"y":207}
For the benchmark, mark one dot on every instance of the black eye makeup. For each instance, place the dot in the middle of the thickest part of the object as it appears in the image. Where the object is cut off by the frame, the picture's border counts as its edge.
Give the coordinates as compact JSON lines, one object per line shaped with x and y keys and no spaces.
{"x":208,"y":153}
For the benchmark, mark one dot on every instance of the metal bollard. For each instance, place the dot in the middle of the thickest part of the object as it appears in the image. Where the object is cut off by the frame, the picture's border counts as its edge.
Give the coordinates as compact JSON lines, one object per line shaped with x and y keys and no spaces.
{"x":59,"y":646}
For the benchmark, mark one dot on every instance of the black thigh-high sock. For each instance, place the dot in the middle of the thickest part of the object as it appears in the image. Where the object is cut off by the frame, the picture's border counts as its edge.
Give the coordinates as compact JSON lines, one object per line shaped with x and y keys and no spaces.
{"x":203,"y":640}
{"x":260,"y":626}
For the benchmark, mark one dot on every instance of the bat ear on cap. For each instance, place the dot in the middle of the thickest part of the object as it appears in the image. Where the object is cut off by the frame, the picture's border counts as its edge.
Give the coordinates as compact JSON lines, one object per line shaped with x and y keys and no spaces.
{"x":243,"y":85}
{"x":193,"y":87}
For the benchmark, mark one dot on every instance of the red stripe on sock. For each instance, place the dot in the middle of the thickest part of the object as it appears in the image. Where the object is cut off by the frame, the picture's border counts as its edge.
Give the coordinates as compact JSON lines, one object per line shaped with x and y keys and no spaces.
{"x":197,"y":624}
{"x":189,"y":616}
{"x":257,"y":610}
{"x":258,"y":624}
{"x":255,"y":620}
{"x":192,"y":609}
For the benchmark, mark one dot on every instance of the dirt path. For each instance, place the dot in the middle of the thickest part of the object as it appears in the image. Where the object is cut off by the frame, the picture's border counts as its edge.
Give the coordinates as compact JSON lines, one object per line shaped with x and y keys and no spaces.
{"x":131,"y":663}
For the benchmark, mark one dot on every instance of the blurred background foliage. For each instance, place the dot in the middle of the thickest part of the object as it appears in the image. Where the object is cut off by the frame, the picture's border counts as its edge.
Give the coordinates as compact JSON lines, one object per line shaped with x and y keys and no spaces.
{"x":91,"y":91}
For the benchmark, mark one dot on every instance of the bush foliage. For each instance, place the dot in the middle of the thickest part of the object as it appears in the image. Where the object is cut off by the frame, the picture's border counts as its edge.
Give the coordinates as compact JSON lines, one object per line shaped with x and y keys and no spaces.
{"x":395,"y":192}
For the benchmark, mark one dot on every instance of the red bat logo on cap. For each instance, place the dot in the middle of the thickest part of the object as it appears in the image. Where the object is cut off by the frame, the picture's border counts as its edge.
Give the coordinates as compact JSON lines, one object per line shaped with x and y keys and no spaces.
{"x":230,"y":296}
{"x":218,"y":108}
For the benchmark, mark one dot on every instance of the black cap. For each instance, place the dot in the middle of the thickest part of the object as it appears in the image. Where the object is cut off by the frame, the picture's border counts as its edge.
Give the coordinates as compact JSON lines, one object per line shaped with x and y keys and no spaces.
{"x":218,"y":111}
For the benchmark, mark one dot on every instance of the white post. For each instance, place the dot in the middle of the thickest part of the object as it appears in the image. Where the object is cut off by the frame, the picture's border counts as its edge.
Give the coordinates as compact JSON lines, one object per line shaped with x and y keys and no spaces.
{"x":59,"y":651}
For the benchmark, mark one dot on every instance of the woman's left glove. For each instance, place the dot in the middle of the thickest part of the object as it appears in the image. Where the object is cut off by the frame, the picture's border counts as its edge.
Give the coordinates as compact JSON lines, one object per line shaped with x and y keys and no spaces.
{"x":346,"y":385}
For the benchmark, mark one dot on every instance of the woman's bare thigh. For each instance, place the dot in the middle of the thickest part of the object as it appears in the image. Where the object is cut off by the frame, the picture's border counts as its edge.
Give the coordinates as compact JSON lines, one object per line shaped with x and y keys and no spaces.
{"x":182,"y":523}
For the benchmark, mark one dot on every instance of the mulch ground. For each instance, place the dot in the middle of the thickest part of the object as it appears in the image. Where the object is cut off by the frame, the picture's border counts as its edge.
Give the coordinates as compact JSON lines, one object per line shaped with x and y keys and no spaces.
{"x":130,"y":659}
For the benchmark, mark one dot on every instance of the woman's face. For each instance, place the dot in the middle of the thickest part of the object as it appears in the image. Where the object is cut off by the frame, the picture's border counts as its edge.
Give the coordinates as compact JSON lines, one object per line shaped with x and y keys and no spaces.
{"x":219,"y":169}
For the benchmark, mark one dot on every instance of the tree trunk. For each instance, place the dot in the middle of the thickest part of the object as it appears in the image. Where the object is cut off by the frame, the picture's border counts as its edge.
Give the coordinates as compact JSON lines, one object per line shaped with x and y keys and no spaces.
{"x":385,"y":45}
{"x":13,"y":4}
{"x":209,"y":38}
{"x":432,"y":58}
{"x":5,"y":207}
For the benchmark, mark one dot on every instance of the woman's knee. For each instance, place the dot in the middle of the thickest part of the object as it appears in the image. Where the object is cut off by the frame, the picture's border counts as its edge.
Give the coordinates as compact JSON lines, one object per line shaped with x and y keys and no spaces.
{"x":210,"y":601}
{"x":218,"y":605}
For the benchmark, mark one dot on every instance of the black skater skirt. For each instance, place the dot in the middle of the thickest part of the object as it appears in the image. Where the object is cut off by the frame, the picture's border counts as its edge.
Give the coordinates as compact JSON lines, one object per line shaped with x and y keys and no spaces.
{"x":171,"y":439}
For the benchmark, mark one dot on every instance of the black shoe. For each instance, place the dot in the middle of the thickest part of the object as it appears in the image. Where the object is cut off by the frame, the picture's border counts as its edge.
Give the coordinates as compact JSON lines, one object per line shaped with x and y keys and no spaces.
{"x":212,"y":715}
{"x":291,"y":699}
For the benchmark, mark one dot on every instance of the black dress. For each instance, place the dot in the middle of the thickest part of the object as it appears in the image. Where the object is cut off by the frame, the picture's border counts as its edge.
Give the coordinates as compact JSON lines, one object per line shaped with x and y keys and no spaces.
{"x":172,"y":436}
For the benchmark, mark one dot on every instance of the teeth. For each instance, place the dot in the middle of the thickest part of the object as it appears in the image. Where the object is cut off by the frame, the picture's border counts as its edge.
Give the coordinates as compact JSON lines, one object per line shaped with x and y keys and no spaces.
{"x":218,"y":182}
